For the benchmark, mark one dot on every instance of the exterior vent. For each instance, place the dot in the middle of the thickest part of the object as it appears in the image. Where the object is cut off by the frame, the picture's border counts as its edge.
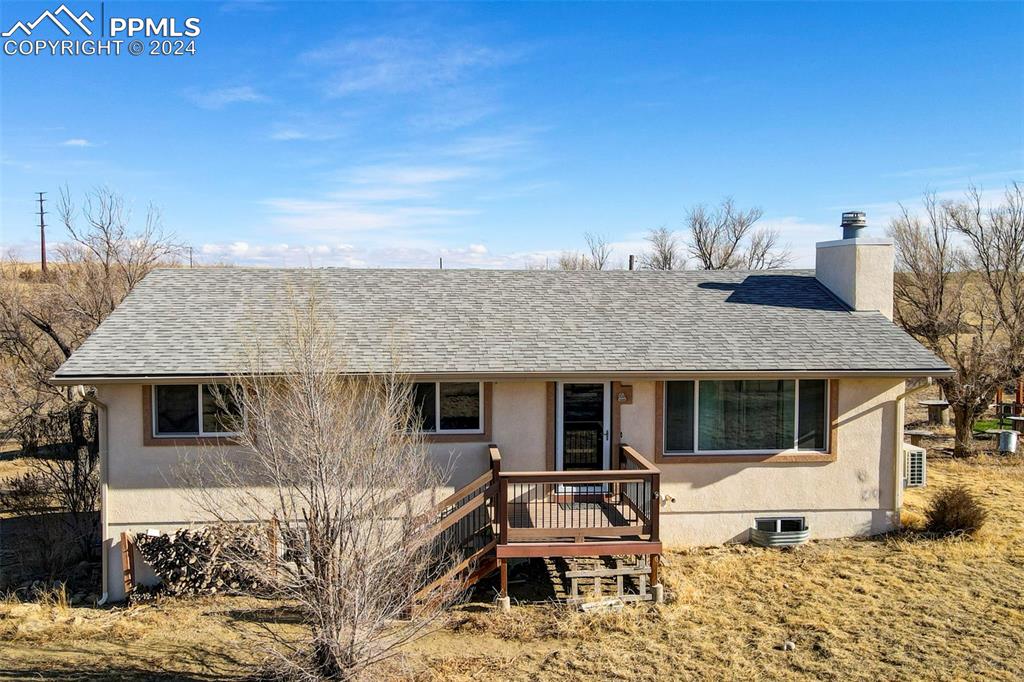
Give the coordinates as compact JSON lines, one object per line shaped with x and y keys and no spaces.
{"x":853,"y":224}
{"x":915,"y":466}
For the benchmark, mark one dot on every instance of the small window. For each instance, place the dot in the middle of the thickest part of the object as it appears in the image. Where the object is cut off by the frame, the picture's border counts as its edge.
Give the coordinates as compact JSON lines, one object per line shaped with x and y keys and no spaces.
{"x":679,"y":416}
{"x":194,"y":410}
{"x":786,"y":525}
{"x":460,"y":406}
{"x":777,"y":525}
{"x":449,"y":406}
{"x":177,"y":410}
{"x":425,"y":403}
{"x":220,"y":411}
{"x":812,"y":408}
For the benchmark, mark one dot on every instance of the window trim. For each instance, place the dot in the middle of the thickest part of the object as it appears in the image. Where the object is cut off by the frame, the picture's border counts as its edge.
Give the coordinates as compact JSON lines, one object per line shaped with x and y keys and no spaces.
{"x":793,"y":454}
{"x":200,"y":434}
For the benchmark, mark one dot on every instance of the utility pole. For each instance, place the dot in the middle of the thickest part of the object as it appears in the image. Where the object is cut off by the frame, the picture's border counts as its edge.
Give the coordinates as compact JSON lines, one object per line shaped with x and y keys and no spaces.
{"x":42,"y":233}
{"x":440,"y":263}
{"x":631,"y":261}
{"x":190,"y":258}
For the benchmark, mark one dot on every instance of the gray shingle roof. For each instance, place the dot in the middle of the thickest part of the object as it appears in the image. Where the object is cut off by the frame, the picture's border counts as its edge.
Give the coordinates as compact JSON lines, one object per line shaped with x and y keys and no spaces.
{"x":207,"y":321}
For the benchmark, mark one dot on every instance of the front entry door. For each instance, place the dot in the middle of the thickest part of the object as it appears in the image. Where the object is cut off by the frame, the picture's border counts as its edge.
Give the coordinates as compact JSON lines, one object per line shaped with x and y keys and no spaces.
{"x":583,"y":426}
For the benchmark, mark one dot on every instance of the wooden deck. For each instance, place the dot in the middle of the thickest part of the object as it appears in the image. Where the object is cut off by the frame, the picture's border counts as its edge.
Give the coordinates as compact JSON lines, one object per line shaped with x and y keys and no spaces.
{"x":548,"y":514}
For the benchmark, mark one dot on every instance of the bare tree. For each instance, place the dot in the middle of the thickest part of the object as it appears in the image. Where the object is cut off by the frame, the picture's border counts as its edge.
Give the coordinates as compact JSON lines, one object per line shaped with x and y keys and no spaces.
{"x":574,"y":260}
{"x":725,"y":238}
{"x":600,"y":251}
{"x":963,"y":302}
{"x":996,"y":251}
{"x":764,"y":251}
{"x":42,"y":322}
{"x":664,"y":251}
{"x":44,"y":317}
{"x":334,"y":462}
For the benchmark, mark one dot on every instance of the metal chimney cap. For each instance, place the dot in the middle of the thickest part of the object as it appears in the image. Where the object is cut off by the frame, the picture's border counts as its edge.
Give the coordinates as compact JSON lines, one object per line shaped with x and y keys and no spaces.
{"x":853,"y":224}
{"x":855,"y":218}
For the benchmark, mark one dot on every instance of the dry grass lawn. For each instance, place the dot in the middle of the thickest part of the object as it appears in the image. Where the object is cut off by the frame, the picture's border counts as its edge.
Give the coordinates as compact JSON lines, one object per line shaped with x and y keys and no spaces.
{"x":899,"y":608}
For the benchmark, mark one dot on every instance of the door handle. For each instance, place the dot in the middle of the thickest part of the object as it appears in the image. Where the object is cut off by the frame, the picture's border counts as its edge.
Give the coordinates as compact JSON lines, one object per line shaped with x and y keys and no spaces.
{"x":606,"y":434}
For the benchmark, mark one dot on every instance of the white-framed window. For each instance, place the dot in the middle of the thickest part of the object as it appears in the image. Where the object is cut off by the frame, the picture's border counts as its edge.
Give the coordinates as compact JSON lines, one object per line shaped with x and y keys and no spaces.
{"x":194,"y":410}
{"x":745,"y":416}
{"x":449,"y":406}
{"x":780,"y":524}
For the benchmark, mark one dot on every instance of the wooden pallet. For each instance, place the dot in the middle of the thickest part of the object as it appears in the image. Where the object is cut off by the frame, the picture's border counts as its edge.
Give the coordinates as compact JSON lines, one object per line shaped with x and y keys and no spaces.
{"x":580,"y":579}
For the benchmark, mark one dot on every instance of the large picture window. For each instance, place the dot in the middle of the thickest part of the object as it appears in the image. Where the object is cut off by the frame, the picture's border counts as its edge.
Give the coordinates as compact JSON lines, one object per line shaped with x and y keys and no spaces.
{"x":194,"y":410}
{"x":449,"y":406}
{"x":745,"y":416}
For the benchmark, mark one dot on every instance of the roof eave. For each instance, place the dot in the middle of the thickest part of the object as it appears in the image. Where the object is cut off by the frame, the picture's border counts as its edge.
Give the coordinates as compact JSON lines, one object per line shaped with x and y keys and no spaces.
{"x":636,"y":375}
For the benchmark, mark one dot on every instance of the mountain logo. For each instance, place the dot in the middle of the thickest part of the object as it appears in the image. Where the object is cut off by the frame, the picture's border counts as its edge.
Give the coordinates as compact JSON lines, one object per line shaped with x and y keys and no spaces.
{"x":78,"y":20}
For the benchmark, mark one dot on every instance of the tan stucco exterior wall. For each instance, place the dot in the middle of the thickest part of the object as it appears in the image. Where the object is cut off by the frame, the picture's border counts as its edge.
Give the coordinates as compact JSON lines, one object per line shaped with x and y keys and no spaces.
{"x":711,"y":502}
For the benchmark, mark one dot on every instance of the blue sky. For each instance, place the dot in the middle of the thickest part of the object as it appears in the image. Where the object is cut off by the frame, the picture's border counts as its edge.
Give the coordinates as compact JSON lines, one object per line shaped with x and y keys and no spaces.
{"x":497,"y":134}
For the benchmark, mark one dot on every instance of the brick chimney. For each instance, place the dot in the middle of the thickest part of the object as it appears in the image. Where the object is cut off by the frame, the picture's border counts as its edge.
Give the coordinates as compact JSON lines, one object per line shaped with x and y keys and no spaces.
{"x":857,"y":269}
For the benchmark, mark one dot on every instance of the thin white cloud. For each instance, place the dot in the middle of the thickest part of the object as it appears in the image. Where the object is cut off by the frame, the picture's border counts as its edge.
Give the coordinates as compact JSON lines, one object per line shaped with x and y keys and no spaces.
{"x":221,"y":97}
{"x":279,"y":255}
{"x":287,"y":133}
{"x":373,"y":197}
{"x":931,"y":172}
{"x":393,"y":64}
{"x":308,"y":127}
{"x":341,"y":216}
{"x":412,"y":253}
{"x":410,"y":175}
{"x":77,"y":142}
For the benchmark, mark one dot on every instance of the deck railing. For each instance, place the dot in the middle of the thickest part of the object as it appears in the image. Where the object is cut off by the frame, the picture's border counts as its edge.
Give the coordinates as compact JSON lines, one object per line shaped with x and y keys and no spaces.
{"x":581,"y":506}
{"x":507,"y":514}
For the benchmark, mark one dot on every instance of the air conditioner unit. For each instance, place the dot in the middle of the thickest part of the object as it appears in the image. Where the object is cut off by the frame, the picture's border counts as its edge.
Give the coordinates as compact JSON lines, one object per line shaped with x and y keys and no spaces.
{"x":915,"y":466}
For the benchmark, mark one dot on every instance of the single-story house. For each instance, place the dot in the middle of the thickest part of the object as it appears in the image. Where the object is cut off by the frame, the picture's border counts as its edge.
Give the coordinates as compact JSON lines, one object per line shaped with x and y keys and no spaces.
{"x":695,"y":405}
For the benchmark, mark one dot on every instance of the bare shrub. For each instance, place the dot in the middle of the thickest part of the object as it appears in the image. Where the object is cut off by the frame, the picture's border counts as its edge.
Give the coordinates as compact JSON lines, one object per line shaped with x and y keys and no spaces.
{"x":333,"y":463}
{"x":955,"y":509}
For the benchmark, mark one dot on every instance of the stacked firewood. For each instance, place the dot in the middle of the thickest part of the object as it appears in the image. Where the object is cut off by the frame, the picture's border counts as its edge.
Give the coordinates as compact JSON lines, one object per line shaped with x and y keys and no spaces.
{"x":200,"y":561}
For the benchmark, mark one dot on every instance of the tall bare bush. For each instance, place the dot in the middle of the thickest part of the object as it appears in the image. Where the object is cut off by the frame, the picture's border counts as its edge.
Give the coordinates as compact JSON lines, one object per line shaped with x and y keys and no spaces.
{"x":335,"y":463}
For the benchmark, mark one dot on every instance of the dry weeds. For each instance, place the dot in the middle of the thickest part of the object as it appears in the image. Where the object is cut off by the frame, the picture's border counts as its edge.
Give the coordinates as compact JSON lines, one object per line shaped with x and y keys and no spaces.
{"x":898,"y":608}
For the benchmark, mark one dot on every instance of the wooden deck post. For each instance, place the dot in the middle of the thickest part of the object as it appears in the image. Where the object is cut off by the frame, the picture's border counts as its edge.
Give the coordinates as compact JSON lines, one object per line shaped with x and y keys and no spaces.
{"x":502,"y":508}
{"x":655,"y":506}
{"x":655,"y":559}
{"x":504,"y":603}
